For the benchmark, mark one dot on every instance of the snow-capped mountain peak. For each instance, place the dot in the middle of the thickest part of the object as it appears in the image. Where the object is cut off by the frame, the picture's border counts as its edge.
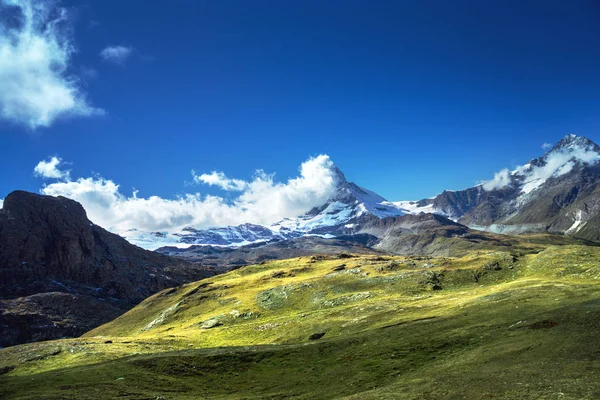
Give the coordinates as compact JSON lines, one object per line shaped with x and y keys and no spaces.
{"x":572,"y":151}
{"x":574,"y":142}
{"x":346,"y":209}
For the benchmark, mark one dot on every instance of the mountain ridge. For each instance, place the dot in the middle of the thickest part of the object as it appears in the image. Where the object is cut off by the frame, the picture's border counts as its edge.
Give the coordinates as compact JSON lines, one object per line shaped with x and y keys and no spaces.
{"x":512,"y":202}
{"x":556,"y":193}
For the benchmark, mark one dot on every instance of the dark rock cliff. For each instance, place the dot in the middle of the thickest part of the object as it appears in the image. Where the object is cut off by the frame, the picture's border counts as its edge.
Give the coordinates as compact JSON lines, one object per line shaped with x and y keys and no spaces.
{"x":86,"y":274}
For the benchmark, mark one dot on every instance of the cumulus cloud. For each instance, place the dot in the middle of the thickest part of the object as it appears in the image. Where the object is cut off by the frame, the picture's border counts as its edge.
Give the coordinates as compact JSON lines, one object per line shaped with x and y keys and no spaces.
{"x":546,"y":146}
{"x":49,"y":169}
{"x":501,"y":180}
{"x":261,"y":201}
{"x":116,"y":54}
{"x":220,"y":179}
{"x":35,"y":55}
{"x":1,"y":203}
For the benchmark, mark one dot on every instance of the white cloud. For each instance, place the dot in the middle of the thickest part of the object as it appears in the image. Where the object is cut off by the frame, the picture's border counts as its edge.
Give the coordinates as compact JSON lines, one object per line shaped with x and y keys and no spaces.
{"x":220,"y":179}
{"x":557,"y":164}
{"x":262,"y":201}
{"x":116,"y":54}
{"x":1,"y":203}
{"x":35,"y":53}
{"x":49,"y":169}
{"x":546,"y":146}
{"x":501,"y":180}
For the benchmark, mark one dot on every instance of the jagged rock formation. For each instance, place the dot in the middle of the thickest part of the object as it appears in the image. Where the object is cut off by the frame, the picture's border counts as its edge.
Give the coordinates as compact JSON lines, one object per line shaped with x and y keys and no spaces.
{"x":61,"y":275}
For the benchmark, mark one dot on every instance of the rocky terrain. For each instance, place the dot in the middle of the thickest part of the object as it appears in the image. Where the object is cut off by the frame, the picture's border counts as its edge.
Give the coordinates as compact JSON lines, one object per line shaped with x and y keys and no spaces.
{"x":556,"y":193}
{"x":61,"y":275}
{"x":423,"y":234}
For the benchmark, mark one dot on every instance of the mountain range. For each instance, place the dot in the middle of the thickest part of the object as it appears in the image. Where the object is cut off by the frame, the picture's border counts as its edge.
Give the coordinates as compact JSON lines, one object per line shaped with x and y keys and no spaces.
{"x":556,"y":193}
{"x":61,"y":274}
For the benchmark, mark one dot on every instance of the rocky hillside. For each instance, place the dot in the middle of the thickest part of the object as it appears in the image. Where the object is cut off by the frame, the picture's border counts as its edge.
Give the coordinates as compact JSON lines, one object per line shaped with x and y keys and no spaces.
{"x":556,"y":193}
{"x":61,"y":275}
{"x":431,"y":235}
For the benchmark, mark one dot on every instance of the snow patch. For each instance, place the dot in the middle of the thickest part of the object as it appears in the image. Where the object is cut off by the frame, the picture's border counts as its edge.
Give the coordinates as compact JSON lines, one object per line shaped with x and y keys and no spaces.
{"x":576,"y":224}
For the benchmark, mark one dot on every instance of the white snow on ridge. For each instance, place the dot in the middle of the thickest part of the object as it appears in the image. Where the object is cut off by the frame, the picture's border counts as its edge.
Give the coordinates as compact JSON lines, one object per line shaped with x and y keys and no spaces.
{"x":411,"y":207}
{"x":373,"y":203}
{"x":335,"y":213}
{"x":153,"y":240}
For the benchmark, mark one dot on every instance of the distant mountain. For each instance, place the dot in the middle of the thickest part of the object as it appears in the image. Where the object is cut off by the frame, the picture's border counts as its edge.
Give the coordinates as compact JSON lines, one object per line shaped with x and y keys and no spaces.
{"x":347,"y":209}
{"x":61,"y":275}
{"x":430,"y":235}
{"x":556,"y":193}
{"x":224,"y":258}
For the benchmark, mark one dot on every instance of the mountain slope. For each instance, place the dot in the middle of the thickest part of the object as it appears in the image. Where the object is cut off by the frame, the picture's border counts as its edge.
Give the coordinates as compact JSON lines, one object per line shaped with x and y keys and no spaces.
{"x":487,"y":325}
{"x":556,"y":193}
{"x":60,"y":274}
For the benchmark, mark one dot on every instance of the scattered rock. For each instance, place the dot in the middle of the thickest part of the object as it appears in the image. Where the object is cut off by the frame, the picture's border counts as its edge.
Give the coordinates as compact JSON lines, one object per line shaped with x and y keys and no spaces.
{"x":340,"y":267}
{"x":278,"y":274}
{"x":345,"y":255}
{"x":316,"y":336}
{"x":249,"y":314}
{"x":389,"y":267}
{"x":492,"y":266}
{"x":433,"y":280}
{"x":211,"y":323}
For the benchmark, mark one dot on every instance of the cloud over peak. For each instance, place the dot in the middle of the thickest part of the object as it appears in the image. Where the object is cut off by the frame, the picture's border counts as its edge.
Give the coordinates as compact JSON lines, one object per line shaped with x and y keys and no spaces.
{"x":261,"y":200}
{"x":35,"y":55}
{"x":554,"y":164}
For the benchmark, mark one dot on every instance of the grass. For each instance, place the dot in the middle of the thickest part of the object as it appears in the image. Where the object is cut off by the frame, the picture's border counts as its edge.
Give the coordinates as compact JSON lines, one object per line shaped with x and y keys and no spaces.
{"x":487,"y":325}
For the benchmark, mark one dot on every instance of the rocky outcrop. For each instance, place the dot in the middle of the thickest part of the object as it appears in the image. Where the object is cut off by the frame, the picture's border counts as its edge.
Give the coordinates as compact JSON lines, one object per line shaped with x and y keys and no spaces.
{"x":60,"y":273}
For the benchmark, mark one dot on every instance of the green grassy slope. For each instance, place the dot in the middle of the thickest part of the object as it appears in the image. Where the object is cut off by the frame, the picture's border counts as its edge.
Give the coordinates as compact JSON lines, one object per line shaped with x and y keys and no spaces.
{"x":488,"y":325}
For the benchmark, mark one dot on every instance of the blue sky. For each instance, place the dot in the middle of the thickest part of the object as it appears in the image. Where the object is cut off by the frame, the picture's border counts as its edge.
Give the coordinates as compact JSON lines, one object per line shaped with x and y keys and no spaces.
{"x":407,"y":98}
